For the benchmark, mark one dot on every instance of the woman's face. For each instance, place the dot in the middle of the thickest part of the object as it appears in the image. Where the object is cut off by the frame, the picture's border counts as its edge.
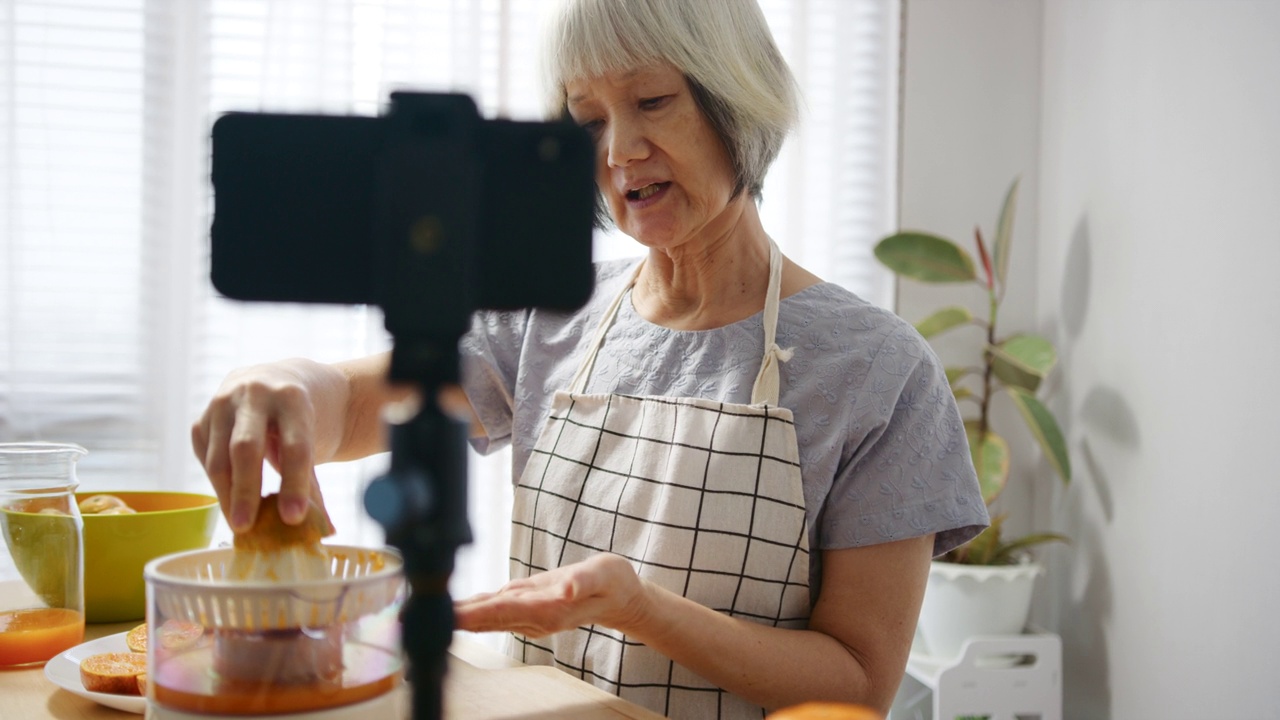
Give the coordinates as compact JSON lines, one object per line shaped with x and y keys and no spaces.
{"x":663,"y":171}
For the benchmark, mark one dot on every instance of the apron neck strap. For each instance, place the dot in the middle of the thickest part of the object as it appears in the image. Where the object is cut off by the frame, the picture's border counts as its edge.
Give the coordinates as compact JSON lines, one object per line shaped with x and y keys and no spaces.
{"x":766,"y":387}
{"x":579,"y":384}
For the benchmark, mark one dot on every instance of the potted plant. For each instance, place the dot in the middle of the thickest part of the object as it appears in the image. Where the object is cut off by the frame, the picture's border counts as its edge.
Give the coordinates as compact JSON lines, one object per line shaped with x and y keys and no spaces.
{"x":983,"y":587}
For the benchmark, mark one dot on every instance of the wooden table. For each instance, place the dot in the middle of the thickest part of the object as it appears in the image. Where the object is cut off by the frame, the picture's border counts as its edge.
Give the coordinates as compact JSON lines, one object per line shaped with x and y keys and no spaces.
{"x":481,"y":685}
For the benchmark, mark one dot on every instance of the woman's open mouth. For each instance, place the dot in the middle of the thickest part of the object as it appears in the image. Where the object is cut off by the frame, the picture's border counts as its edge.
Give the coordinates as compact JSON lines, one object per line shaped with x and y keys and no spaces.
{"x":647,"y":192}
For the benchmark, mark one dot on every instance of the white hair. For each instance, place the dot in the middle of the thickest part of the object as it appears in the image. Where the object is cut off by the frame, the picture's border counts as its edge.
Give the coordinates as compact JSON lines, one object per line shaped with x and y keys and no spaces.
{"x":723,"y":48}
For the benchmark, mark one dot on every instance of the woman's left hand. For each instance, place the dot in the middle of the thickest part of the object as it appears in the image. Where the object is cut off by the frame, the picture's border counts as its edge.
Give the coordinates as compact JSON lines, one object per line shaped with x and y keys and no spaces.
{"x":602,"y":590}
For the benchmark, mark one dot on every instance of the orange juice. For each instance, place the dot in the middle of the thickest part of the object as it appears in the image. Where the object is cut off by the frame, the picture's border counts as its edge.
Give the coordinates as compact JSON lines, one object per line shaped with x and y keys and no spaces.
{"x":247,"y":698}
{"x":35,"y":636}
{"x":187,"y":681}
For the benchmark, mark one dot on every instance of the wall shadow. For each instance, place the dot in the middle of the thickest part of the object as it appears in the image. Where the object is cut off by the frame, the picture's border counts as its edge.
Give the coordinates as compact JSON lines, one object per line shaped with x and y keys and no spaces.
{"x":1085,"y":654}
{"x":1105,"y":417}
{"x":1074,"y":304}
{"x":1098,"y":423}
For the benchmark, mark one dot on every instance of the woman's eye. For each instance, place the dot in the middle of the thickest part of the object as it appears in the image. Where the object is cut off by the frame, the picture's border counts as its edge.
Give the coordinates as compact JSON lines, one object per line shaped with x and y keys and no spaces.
{"x":592,"y":126}
{"x":653,"y":103}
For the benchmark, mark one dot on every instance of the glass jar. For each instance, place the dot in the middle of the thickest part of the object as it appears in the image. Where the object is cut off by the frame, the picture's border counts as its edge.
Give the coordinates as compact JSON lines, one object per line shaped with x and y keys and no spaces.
{"x":41,"y":552}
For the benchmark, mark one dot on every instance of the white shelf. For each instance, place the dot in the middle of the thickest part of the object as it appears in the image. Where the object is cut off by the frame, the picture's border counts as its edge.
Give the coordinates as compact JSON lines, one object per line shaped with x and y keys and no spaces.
{"x":1001,"y":677}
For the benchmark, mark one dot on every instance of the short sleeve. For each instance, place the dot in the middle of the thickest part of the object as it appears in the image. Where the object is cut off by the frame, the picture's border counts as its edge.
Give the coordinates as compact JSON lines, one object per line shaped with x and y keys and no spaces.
{"x":490,"y":358}
{"x":907,"y":470}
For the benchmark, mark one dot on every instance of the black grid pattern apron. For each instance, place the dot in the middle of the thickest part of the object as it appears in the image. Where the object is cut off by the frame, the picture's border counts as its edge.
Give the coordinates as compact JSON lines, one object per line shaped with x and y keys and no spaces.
{"x":703,"y":497}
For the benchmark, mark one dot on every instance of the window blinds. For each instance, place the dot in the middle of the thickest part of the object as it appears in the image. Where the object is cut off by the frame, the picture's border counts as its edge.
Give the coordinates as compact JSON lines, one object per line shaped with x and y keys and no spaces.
{"x":110,"y":335}
{"x":75,"y":325}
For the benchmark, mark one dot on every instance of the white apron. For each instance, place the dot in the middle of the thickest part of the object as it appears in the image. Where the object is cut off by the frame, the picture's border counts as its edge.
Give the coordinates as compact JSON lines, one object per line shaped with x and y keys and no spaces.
{"x":703,"y":497}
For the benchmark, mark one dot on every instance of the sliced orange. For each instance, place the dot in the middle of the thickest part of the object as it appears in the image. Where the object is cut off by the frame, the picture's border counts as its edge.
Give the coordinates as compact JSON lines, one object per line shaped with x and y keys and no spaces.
{"x":115,"y":673}
{"x":270,"y":534}
{"x":180,"y":635}
{"x":136,"y":638}
{"x":825,"y":711}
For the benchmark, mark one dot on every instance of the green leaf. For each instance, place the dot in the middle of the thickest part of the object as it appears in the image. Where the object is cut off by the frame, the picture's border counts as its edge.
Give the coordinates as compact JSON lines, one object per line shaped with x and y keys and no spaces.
{"x":1004,"y":232}
{"x":1022,"y":361}
{"x":1046,"y":430}
{"x":961,"y":393}
{"x":982,"y":547}
{"x":992,"y":463}
{"x":1032,"y":351}
{"x":955,"y":373}
{"x":925,"y":257}
{"x":988,"y":547}
{"x":1007,"y":552}
{"x":944,"y":320}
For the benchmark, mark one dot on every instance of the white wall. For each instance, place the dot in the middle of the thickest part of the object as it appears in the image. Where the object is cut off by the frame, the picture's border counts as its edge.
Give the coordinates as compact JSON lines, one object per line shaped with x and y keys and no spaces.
{"x":970,"y":126}
{"x":1156,"y":235}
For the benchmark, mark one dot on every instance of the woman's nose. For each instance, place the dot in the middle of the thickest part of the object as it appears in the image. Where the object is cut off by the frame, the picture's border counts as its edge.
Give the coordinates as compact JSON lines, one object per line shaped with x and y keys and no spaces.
{"x":626,"y":142}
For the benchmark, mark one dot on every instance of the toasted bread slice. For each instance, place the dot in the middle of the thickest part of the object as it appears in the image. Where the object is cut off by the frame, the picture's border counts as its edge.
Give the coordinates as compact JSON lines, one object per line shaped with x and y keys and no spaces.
{"x":115,"y":673}
{"x":142,"y":684}
{"x":136,"y":638}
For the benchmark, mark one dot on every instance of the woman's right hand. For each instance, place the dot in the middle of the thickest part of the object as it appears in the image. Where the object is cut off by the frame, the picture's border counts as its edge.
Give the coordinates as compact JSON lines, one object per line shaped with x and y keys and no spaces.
{"x":290,"y":413}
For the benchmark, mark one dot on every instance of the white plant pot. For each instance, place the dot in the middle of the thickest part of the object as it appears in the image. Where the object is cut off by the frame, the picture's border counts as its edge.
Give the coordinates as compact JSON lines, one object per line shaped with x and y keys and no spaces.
{"x":964,"y":601}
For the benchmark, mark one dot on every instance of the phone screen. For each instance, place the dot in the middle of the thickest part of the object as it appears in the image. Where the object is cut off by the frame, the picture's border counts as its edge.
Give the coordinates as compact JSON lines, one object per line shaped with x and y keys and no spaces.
{"x":297,"y":201}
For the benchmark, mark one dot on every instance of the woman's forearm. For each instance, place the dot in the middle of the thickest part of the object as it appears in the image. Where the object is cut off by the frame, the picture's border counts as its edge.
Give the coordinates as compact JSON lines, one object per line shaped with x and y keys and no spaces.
{"x":855,"y":649}
{"x":362,"y":429}
{"x":769,"y":666}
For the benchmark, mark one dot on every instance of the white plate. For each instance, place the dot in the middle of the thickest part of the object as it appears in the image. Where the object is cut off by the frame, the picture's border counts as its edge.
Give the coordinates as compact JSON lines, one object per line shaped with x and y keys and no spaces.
{"x":64,"y":671}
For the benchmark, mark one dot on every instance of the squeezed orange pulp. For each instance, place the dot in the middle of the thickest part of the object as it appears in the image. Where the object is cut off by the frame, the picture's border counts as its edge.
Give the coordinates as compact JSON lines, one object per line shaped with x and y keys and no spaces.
{"x":35,"y":636}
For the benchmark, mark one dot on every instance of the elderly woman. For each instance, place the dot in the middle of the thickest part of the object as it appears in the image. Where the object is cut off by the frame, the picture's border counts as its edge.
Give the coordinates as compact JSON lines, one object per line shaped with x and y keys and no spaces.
{"x":731,"y":475}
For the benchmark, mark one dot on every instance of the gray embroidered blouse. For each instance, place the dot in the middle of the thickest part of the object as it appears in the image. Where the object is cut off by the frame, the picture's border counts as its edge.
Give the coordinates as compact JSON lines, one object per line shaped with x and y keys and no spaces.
{"x":882,"y":446}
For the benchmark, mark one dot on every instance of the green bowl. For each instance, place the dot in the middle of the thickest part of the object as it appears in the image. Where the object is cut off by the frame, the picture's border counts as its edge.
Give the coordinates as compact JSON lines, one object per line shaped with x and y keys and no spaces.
{"x":117,"y":547}
{"x":45,"y":550}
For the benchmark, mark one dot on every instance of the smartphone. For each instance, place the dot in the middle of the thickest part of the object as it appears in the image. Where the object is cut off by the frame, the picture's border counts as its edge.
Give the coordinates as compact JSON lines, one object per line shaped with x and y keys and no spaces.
{"x":428,"y":210}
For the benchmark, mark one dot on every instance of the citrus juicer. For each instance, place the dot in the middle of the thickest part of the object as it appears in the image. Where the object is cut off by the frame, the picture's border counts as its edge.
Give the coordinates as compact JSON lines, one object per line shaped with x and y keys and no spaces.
{"x":320,"y":649}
